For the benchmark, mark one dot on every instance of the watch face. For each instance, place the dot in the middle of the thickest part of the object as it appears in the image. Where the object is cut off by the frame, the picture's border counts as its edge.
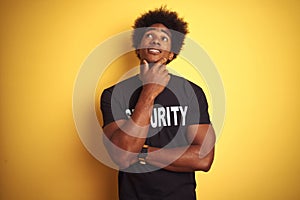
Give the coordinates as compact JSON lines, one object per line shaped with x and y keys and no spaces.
{"x":144,"y":150}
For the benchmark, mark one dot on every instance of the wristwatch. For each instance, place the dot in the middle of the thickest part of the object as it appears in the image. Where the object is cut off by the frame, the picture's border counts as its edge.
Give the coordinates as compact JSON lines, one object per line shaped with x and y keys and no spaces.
{"x":143,"y":154}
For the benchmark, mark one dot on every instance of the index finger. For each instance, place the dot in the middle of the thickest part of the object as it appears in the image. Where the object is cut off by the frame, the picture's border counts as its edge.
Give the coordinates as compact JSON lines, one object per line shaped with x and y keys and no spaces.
{"x":144,"y":67}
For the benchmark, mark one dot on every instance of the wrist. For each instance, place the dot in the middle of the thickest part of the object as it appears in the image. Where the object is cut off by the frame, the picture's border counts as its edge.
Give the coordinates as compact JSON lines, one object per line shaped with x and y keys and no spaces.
{"x":150,"y":92}
{"x":143,"y":155}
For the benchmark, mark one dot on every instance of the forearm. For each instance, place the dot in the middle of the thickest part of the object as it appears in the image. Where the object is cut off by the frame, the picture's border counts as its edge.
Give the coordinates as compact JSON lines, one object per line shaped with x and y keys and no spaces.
{"x":131,"y":135}
{"x":180,"y":159}
{"x":125,"y":138}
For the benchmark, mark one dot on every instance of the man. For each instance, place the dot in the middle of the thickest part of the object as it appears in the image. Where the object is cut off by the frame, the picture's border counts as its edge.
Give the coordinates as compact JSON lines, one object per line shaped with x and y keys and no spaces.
{"x":156,"y":124}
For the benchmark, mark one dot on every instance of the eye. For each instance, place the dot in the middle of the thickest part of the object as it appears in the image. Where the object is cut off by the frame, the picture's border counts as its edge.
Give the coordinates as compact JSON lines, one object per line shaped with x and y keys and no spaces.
{"x":149,"y":35}
{"x":165,"y":39}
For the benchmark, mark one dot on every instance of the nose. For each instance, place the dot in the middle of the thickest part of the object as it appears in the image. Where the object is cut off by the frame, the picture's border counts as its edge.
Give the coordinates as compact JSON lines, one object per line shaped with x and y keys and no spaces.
{"x":155,"y":41}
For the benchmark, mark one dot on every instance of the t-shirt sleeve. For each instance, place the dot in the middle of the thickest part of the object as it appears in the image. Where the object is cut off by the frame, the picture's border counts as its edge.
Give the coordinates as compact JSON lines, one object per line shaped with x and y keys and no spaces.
{"x":111,"y":107}
{"x":198,"y":112}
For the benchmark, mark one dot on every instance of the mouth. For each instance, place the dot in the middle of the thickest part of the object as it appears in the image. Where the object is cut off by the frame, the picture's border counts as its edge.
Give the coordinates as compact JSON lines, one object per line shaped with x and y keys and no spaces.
{"x":154,"y":51}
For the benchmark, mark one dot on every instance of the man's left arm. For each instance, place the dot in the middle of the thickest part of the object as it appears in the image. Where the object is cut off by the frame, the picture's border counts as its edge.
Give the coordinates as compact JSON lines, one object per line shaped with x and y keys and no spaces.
{"x":198,"y":156}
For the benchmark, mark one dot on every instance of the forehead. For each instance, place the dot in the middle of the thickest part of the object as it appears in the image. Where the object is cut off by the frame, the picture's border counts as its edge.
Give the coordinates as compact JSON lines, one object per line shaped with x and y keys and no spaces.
{"x":159,"y":27}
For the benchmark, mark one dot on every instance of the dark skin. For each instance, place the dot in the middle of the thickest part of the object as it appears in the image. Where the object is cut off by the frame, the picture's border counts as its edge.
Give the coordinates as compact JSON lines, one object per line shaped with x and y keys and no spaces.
{"x":127,"y":137}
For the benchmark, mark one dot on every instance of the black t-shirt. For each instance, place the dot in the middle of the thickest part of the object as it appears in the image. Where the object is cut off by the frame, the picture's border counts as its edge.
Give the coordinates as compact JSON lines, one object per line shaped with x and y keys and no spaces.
{"x":182,"y":103}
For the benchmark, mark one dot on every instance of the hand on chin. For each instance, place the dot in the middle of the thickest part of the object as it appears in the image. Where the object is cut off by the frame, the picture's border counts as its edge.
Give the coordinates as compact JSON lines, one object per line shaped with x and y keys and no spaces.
{"x":152,"y":61}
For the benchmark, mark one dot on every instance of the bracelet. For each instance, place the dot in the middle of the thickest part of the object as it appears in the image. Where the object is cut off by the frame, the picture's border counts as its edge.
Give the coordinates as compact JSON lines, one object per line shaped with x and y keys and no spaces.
{"x":143,"y":154}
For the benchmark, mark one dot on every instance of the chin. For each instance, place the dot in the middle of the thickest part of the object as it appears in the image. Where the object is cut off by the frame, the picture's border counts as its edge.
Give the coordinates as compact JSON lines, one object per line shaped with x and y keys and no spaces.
{"x":152,"y":60}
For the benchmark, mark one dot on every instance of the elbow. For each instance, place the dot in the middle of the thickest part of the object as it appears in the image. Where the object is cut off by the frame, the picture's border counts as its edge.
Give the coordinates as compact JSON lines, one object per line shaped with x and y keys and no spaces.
{"x":205,"y":162}
{"x":124,"y":160}
{"x":122,"y":163}
{"x":204,"y":165}
{"x":121,"y":157}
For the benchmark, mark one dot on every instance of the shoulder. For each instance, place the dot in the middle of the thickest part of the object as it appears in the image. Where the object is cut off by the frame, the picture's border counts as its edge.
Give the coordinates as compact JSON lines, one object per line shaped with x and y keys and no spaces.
{"x":122,"y":88}
{"x":185,"y":84}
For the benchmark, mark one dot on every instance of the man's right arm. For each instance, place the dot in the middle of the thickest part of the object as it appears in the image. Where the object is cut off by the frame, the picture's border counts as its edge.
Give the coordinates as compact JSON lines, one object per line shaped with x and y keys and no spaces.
{"x":127,"y":137}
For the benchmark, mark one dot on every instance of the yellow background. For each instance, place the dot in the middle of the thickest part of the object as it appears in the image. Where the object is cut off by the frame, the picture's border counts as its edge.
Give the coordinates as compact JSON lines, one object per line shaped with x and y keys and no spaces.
{"x":254,"y":44}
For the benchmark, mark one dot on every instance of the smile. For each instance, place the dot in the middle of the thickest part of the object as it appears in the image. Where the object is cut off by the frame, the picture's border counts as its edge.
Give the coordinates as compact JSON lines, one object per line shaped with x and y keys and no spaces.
{"x":154,"y":51}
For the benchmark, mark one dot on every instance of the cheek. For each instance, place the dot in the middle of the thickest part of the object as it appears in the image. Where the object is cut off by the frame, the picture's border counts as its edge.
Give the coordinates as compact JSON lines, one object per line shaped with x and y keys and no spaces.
{"x":166,"y":46}
{"x":143,"y":42}
{"x":141,"y":52}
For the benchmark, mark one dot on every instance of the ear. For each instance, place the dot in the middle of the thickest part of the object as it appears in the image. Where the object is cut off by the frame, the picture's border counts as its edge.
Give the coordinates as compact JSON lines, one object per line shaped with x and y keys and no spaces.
{"x":171,"y":55}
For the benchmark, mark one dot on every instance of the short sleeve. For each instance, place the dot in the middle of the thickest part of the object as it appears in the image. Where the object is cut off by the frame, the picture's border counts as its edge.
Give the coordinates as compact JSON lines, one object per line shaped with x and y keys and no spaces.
{"x":111,"y":107}
{"x":198,"y":107}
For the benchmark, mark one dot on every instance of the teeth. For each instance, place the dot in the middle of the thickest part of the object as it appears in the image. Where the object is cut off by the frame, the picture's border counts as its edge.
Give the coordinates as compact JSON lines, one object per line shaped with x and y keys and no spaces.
{"x":154,"y":51}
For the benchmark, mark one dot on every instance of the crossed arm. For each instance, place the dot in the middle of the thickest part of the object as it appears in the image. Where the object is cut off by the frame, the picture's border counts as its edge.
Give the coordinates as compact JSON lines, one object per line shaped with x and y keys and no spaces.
{"x":127,"y":137}
{"x":198,"y":156}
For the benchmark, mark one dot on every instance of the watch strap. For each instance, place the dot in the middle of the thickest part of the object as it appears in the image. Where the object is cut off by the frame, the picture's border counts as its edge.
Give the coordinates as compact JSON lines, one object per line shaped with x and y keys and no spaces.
{"x":143,"y":154}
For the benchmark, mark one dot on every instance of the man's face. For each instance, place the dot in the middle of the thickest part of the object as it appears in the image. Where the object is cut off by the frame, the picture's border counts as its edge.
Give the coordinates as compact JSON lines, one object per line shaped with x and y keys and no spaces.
{"x":155,"y":44}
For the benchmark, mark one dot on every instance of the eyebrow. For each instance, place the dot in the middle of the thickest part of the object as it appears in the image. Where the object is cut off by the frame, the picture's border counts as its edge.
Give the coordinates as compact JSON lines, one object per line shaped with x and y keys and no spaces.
{"x":162,"y":30}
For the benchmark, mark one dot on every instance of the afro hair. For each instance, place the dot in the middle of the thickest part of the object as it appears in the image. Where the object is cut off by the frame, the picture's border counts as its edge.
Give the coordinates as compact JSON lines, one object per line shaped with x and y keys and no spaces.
{"x":170,"y":19}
